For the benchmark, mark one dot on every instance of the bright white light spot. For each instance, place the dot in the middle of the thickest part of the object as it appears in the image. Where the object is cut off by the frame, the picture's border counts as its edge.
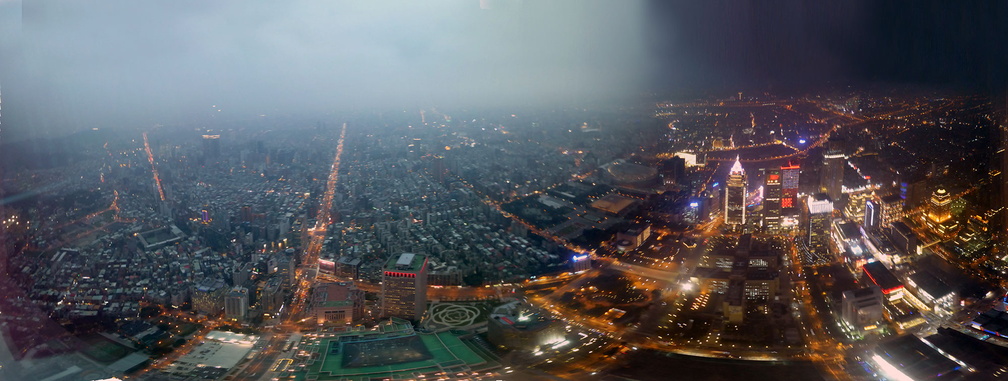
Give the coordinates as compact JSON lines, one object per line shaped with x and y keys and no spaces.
{"x":889,"y":370}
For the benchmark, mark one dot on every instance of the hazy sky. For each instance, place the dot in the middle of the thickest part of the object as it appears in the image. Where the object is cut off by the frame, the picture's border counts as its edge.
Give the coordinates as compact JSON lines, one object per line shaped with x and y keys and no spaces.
{"x":67,"y":65}
{"x":87,"y":63}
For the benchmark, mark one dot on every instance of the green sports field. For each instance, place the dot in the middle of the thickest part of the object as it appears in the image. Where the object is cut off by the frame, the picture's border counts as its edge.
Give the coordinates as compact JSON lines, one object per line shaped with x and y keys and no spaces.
{"x":396,"y":356}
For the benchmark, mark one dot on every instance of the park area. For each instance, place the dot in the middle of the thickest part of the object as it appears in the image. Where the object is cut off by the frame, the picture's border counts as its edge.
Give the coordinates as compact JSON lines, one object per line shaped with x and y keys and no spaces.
{"x":102,"y":349}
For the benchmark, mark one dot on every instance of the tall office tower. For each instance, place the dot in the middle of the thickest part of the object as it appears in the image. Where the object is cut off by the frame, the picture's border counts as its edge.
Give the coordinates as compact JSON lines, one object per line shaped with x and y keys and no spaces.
{"x":735,"y":195}
{"x":939,"y":215}
{"x":673,"y":171}
{"x":872,"y":214}
{"x":404,"y":286}
{"x":236,"y":303}
{"x":819,"y":209}
{"x":772,"y":200}
{"x":891,"y":210}
{"x":712,"y":201}
{"x":211,"y":146}
{"x":831,"y":177}
{"x":940,"y":206}
{"x":789,"y":187}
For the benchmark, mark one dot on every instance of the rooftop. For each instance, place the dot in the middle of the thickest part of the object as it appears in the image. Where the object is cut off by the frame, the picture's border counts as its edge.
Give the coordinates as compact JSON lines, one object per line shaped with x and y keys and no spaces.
{"x":931,"y":284}
{"x":395,"y":351}
{"x":882,"y":277}
{"x":406,"y":262}
{"x":916,"y":359}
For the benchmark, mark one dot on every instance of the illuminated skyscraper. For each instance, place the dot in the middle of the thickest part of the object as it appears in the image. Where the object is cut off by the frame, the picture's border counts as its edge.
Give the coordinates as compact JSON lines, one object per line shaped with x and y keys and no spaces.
{"x":789,"y":186}
{"x":772,"y":200}
{"x":939,"y":209}
{"x":735,"y":195}
{"x":831,"y":177}
{"x":939,"y":215}
{"x":871,"y":214}
{"x":404,"y":286}
{"x":819,"y":211}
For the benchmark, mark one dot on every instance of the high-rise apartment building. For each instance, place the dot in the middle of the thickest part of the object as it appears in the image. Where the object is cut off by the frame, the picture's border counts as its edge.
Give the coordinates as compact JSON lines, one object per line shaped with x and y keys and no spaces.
{"x":404,"y":286}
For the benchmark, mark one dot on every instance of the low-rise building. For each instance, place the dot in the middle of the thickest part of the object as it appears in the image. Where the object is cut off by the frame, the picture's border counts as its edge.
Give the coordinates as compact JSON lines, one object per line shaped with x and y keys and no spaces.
{"x":337,"y":303}
{"x":862,"y":309}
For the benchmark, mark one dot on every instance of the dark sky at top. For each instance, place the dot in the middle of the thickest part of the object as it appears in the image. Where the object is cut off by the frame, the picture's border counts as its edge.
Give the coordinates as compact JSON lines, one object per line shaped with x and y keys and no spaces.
{"x":805,"y":44}
{"x":72,"y":65}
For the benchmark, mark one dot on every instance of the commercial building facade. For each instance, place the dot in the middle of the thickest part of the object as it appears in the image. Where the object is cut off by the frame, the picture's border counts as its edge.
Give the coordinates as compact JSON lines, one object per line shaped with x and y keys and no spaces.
{"x":404,"y":286}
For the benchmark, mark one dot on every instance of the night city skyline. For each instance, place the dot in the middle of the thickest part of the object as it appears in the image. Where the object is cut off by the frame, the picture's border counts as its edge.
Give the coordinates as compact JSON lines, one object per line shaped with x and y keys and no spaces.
{"x":503,"y":189}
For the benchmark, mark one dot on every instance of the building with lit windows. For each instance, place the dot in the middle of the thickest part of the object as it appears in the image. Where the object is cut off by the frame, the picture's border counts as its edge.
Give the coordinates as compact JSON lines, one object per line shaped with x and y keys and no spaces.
{"x":789,"y":187}
{"x":862,"y":309}
{"x":879,"y":275}
{"x":940,"y":205}
{"x":855,"y":208}
{"x":735,"y":196}
{"x":208,"y":296}
{"x":818,"y":217}
{"x":734,"y":303}
{"x":872,"y":216}
{"x":772,"y":193}
{"x":336,"y":303}
{"x":891,"y":210}
{"x":834,"y":161}
{"x":633,"y":238}
{"x":404,"y":286}
{"x":761,"y":285}
{"x":939,"y":215}
{"x":790,"y":205}
{"x":580,"y":262}
{"x":849,"y":244}
{"x":746,"y":272}
{"x":272,"y":296}
{"x":933,"y":292}
{"x":973,"y":238}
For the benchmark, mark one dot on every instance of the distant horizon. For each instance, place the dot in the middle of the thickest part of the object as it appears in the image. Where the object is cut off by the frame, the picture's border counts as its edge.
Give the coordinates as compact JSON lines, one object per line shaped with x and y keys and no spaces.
{"x":77,"y":65}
